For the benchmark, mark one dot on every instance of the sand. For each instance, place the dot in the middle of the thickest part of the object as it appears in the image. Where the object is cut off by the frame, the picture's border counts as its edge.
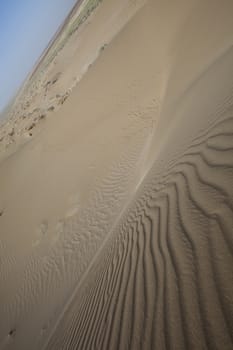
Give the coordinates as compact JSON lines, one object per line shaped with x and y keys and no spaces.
{"x":116,"y":206}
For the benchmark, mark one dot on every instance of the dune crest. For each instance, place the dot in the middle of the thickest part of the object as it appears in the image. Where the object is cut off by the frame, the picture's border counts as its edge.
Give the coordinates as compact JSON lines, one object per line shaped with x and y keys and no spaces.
{"x":121,"y":233}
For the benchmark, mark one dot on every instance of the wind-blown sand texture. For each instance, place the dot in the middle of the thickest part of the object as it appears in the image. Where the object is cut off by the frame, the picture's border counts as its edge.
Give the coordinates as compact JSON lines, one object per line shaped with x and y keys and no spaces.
{"x":116,"y":218}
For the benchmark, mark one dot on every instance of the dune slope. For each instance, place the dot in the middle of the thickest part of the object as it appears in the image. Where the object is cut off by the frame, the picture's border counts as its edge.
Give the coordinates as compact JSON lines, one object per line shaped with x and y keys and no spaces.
{"x":116,"y":219}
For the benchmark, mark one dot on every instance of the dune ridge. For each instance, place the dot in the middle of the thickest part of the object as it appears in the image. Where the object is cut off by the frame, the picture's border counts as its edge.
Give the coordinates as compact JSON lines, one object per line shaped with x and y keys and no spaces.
{"x":164,"y":279}
{"x":122,"y":231}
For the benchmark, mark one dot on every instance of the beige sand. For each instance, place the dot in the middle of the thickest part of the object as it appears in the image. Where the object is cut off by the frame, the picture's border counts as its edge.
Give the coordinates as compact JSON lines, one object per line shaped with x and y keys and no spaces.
{"x":116,"y":212}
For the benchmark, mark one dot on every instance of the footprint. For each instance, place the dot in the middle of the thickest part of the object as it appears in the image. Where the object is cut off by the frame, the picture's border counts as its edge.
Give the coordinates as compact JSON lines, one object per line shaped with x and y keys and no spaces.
{"x":41,"y":232}
{"x":44,"y":227}
{"x":58,"y":231}
{"x":51,"y":108}
{"x":43,"y":329}
{"x":74,"y":205}
{"x":12,"y":333}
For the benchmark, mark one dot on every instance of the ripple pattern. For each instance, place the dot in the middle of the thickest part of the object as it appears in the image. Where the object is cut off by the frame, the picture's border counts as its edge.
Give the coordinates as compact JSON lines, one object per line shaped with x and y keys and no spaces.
{"x":164,"y":279}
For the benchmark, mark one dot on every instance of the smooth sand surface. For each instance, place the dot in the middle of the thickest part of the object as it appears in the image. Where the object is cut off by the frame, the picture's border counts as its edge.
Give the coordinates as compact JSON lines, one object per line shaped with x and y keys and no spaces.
{"x":116,"y":213}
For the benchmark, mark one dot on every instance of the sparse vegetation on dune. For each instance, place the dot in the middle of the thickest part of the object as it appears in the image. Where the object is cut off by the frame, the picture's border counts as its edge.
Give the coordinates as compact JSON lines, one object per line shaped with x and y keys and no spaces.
{"x":72,"y":26}
{"x":89,"y":7}
{"x":42,"y":81}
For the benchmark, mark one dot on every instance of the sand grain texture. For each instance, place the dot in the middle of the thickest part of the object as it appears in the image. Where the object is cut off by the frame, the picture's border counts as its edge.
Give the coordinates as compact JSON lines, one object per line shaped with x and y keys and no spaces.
{"x":116,"y":225}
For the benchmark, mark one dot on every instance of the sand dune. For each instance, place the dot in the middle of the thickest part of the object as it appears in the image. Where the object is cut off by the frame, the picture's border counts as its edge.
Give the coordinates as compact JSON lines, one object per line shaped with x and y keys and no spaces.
{"x":116,"y":217}
{"x":164,"y":278}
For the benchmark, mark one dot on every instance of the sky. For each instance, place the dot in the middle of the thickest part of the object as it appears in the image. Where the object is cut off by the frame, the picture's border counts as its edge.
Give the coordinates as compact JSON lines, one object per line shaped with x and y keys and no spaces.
{"x":26,"y":27}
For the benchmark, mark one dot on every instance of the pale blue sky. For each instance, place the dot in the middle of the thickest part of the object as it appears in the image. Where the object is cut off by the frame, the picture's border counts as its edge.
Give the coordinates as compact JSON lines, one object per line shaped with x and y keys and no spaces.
{"x":26,"y":27}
